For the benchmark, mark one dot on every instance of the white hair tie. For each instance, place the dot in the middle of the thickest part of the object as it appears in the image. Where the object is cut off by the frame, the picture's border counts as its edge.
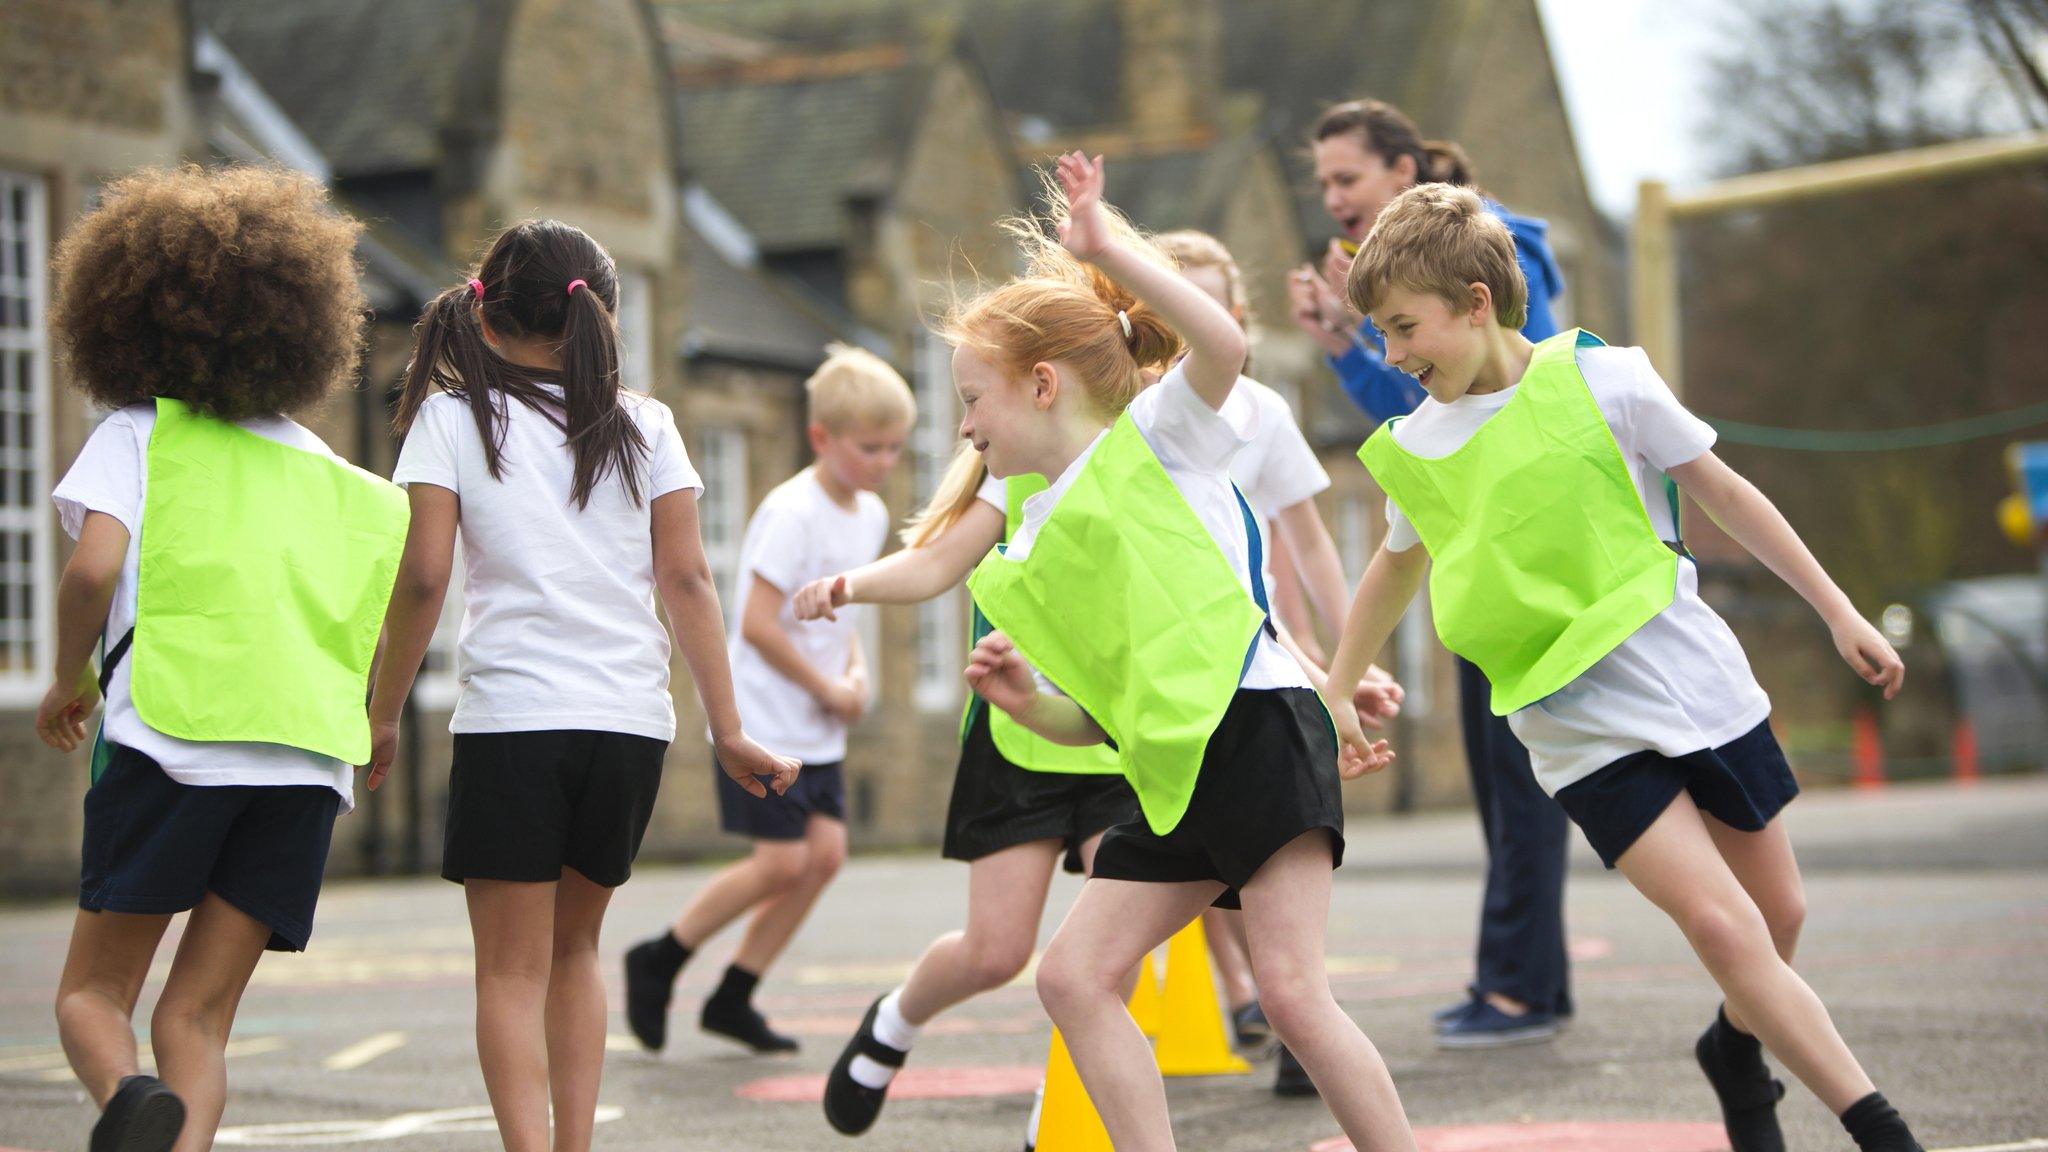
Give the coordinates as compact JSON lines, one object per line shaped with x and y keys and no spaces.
{"x":1124,"y":318}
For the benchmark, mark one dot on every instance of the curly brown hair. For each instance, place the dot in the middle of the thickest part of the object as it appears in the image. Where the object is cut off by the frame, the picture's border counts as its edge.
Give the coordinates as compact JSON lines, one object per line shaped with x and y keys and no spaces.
{"x":233,"y":290}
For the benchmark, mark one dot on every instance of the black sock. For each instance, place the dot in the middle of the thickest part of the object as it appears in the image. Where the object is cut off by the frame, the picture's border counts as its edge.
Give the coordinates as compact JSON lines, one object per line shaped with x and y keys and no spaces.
{"x":1877,"y":1127}
{"x":737,"y":987}
{"x":668,"y":951}
{"x":1734,"y":1064}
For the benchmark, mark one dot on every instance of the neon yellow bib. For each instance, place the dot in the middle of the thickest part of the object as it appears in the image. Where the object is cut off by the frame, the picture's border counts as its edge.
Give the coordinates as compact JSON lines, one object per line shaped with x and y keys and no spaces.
{"x":1125,"y":603}
{"x":1542,"y":557}
{"x":1018,"y":744}
{"x":265,"y":571}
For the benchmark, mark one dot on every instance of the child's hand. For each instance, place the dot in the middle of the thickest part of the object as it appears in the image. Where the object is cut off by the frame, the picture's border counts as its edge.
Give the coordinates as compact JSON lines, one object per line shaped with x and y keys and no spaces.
{"x":816,"y":600}
{"x":1356,"y":755}
{"x":743,"y":760}
{"x":383,"y":751}
{"x":1870,"y":654}
{"x":1377,"y":699}
{"x":60,"y":718}
{"x":997,"y":673}
{"x":845,"y":698}
{"x":1085,"y":232}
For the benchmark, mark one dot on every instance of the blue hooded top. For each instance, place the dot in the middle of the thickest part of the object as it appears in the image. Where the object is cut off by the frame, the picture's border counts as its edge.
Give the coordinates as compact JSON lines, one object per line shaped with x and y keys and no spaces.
{"x":1384,"y":391}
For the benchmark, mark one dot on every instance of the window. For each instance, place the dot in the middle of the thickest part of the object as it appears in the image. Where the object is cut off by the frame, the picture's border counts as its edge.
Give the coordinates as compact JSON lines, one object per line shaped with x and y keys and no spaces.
{"x":941,"y":646}
{"x":636,"y":330}
{"x":721,"y":460}
{"x":27,"y":558}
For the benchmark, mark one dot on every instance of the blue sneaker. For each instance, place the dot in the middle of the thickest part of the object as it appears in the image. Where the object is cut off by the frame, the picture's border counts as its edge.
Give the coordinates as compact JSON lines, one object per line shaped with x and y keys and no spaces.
{"x":1489,"y":1027}
{"x":1446,"y":1016}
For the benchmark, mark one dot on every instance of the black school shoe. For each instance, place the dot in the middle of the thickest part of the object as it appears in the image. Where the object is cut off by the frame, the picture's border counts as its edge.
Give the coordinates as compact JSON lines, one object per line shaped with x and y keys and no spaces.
{"x":850,"y":1106}
{"x":744,"y":1023}
{"x":1290,"y":1078}
{"x":143,"y":1115}
{"x":1749,"y":1095}
{"x":649,"y":984}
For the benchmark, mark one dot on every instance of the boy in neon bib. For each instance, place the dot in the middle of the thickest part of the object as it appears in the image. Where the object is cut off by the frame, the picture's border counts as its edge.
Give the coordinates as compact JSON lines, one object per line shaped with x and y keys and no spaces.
{"x":1534,"y":479}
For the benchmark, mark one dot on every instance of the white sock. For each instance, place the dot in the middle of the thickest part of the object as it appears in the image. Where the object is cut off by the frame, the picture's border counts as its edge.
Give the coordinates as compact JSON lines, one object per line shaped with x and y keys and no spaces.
{"x":1031,"y":1125}
{"x":891,"y":1029}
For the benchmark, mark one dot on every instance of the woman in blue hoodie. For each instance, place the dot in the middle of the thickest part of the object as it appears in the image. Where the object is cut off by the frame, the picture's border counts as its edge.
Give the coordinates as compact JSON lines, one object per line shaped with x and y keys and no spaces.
{"x":1367,"y":153}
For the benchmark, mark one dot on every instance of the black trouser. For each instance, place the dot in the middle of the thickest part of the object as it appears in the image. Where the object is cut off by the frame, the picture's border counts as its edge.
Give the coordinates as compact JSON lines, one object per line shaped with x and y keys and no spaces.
{"x":1521,"y":925}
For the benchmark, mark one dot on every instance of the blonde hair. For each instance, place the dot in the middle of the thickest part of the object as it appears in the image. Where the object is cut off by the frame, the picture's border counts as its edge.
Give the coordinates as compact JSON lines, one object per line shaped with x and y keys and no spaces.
{"x":1439,"y":239}
{"x":1060,"y":309}
{"x":854,"y":389}
{"x":1192,"y":249}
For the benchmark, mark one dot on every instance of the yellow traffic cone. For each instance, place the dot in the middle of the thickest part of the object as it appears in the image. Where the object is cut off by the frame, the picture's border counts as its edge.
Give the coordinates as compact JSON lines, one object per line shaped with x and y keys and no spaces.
{"x":1192,"y":1039}
{"x":1067,"y":1121}
{"x":1145,"y":998}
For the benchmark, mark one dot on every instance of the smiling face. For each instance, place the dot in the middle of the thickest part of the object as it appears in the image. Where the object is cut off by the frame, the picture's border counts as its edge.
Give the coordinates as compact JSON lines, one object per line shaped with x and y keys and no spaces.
{"x":1357,"y":182}
{"x":1441,"y":346}
{"x":996,"y":412}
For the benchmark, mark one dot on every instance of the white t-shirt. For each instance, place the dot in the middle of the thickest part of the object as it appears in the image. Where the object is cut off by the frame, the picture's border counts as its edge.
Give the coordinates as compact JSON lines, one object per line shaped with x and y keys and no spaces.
{"x":558,"y":623}
{"x":1278,"y":469}
{"x":111,"y":475}
{"x":796,"y":536}
{"x":1680,"y":683}
{"x":1196,"y":444}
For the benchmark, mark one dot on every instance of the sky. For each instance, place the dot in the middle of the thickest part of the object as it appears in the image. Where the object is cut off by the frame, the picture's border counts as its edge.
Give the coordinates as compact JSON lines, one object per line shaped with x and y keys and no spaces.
{"x":1632,"y":76}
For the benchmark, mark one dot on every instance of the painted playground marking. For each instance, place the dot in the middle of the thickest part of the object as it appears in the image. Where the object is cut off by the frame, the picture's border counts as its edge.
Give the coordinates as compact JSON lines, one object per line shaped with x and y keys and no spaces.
{"x":1602,"y":1137}
{"x":363,"y":1051}
{"x":312,"y":1132}
{"x":910,"y":1084}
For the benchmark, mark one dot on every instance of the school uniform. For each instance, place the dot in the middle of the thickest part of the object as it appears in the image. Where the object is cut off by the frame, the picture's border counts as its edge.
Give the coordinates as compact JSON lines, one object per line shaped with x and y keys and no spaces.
{"x":564,"y":714}
{"x":797,"y":535}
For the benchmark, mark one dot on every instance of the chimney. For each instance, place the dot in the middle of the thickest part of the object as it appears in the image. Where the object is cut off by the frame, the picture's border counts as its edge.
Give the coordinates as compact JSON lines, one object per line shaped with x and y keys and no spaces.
{"x":1172,"y":67}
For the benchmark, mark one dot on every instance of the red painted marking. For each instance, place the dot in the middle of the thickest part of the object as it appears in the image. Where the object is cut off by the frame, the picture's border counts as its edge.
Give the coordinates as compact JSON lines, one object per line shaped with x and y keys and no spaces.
{"x":1627,"y":1136}
{"x":910,"y":1084}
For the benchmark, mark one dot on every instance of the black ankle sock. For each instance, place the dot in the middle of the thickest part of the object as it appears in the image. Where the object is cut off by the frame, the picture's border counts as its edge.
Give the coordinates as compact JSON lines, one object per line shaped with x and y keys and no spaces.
{"x":737,"y":987}
{"x":1734,"y":1064}
{"x":1876,"y":1126}
{"x":669,"y":951}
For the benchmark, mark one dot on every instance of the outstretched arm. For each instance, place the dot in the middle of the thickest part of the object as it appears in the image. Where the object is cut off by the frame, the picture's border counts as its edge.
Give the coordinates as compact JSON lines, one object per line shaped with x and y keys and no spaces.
{"x":1390,"y":582}
{"x":1216,"y":344}
{"x":908,"y":575}
{"x":1749,"y":517}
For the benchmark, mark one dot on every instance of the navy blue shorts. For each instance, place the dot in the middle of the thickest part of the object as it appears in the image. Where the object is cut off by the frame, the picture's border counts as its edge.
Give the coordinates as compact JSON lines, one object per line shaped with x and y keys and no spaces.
{"x":154,"y":846}
{"x":1743,"y":784}
{"x":522,"y":806}
{"x":820,"y":790}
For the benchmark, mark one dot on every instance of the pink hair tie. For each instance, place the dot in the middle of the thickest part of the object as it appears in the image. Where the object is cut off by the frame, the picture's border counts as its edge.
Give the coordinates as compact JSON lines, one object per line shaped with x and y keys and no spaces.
{"x":575,"y":284}
{"x":476,"y":286}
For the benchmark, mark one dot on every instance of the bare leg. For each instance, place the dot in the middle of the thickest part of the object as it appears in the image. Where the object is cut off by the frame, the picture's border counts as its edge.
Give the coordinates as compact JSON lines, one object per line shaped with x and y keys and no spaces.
{"x":1765,"y":866}
{"x":1005,"y":898}
{"x":1082,"y":980}
{"x":1224,"y":929}
{"x":575,"y":1010}
{"x":513,"y":926}
{"x":103,"y":975}
{"x":189,"y":1030}
{"x":775,"y":923}
{"x":771,"y":869}
{"x":1677,"y":865}
{"x":1286,"y":908}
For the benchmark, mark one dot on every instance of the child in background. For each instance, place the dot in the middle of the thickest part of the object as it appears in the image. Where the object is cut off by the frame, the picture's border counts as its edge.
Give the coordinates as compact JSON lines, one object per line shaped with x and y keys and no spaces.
{"x":577,"y":506}
{"x":801,"y":685}
{"x":1533,"y":479}
{"x":236,"y":632}
{"x":1130,"y":610}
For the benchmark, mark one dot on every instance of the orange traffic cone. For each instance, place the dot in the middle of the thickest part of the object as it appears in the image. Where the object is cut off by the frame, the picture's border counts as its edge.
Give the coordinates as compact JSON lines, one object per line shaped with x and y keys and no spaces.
{"x":1192,"y":1038}
{"x":1145,"y":998}
{"x":1067,"y":1121}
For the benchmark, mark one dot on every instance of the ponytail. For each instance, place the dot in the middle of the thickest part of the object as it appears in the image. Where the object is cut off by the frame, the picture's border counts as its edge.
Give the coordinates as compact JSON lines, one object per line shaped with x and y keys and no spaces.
{"x":950,"y":500}
{"x":540,"y":279}
{"x":1446,"y":163}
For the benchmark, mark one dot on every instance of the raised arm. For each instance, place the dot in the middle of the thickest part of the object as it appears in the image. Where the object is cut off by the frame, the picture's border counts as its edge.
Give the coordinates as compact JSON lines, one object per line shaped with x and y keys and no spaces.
{"x":1216,"y":344}
{"x":1751,"y":520}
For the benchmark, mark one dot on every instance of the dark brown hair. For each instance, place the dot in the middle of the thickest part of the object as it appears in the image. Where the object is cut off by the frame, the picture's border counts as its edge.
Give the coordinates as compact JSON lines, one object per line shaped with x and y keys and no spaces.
{"x":233,"y":290}
{"x":1387,"y":131}
{"x":523,"y":289}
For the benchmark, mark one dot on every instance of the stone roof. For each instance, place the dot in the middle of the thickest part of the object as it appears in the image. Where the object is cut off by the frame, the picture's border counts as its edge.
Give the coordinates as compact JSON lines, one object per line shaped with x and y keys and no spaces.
{"x":740,"y":314}
{"x":381,"y":85}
